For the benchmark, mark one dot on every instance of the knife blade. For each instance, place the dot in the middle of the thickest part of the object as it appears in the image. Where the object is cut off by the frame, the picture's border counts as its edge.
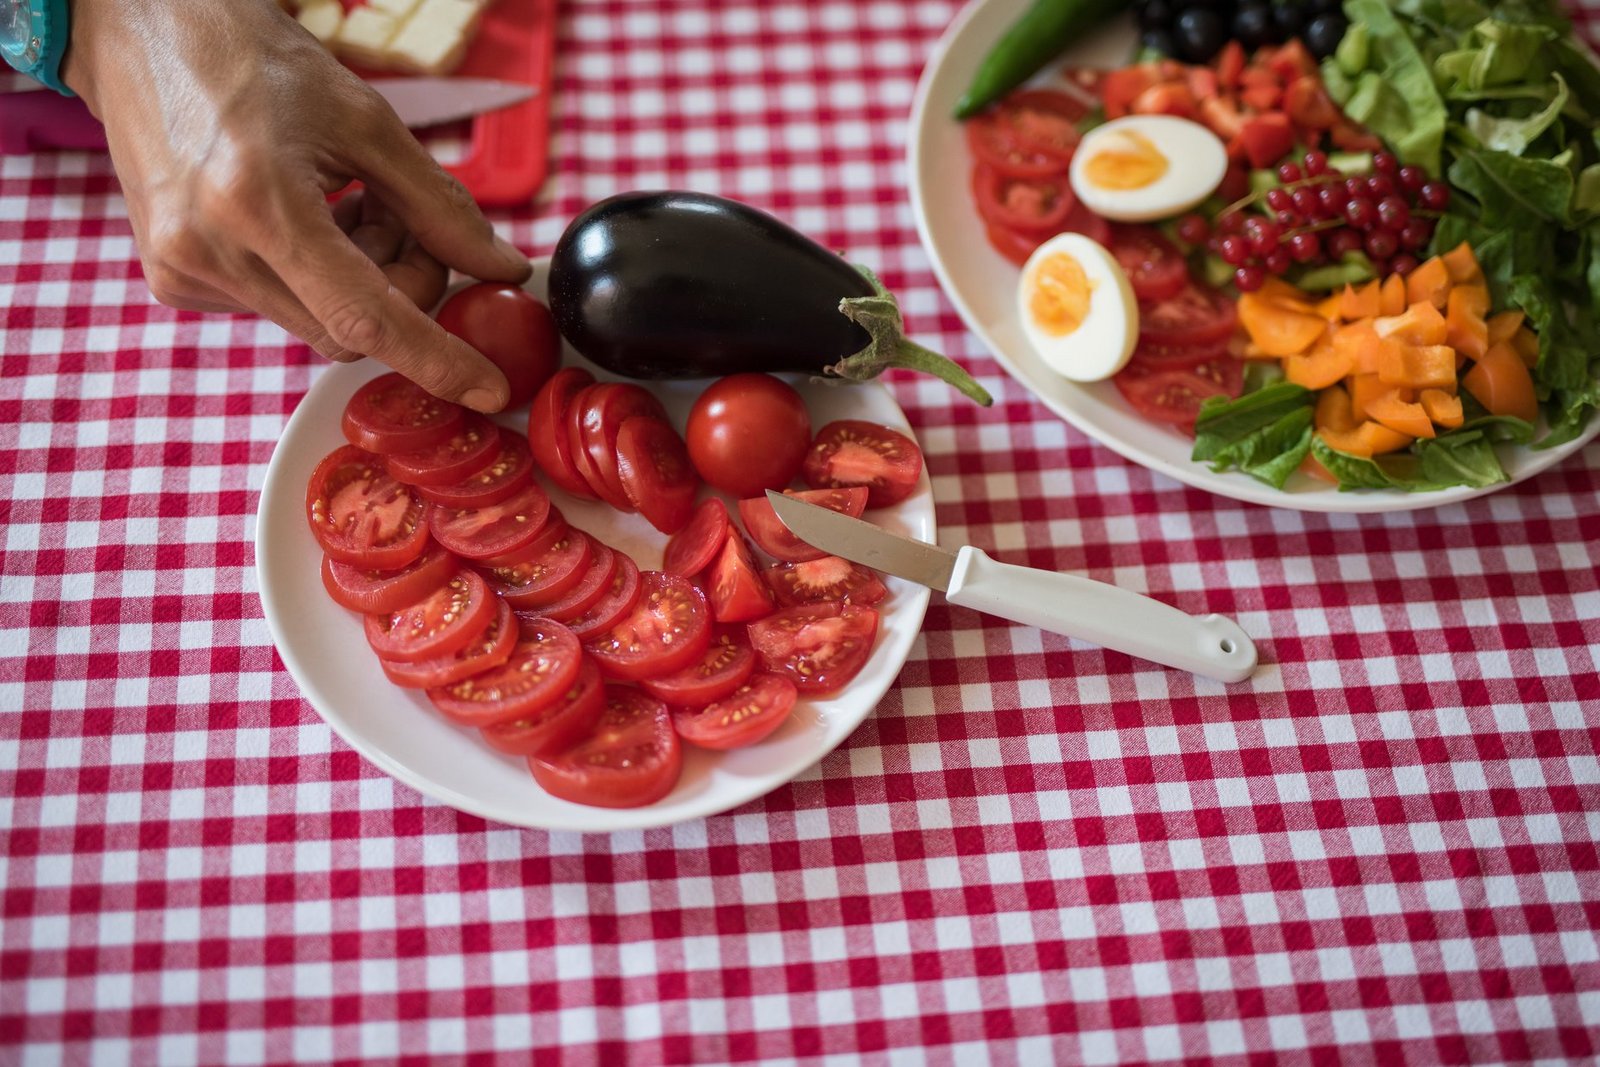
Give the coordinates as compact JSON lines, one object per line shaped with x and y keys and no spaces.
{"x":424,"y":102}
{"x":1105,"y":614}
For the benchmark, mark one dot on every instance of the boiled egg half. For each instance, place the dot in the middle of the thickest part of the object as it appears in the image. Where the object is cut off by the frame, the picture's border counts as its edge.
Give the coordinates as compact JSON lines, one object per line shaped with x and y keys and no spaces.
{"x":1077,"y":308}
{"x":1145,"y":167}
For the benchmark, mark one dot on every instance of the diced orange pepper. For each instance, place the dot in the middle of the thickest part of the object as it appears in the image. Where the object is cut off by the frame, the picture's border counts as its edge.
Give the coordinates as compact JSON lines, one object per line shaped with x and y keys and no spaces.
{"x":1419,"y":366}
{"x":1392,"y":295}
{"x":1366,"y":440}
{"x":1430,"y":282}
{"x":1319,"y":368}
{"x":1442,"y":408}
{"x":1526,"y":342}
{"x":1360,"y":303}
{"x":1333,"y":413}
{"x":1501,"y":383}
{"x":1468,"y":332}
{"x":1280,"y":292}
{"x":1462,"y":265}
{"x":1503,"y":327}
{"x":1419,"y":324}
{"x":1277,"y":329}
{"x":1400,"y":415}
{"x":1364,"y":347}
{"x":1365,"y":388}
{"x":1330,"y":307}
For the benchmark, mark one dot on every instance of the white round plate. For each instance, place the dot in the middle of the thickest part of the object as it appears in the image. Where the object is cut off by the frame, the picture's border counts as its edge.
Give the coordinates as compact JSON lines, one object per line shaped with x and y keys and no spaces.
{"x":982,"y":284}
{"x":325,"y":651}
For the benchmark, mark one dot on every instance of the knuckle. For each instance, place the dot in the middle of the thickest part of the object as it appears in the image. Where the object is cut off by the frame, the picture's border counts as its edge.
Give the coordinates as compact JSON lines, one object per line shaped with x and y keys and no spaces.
{"x":357,"y":327}
{"x":173,"y":248}
{"x":168,"y":286}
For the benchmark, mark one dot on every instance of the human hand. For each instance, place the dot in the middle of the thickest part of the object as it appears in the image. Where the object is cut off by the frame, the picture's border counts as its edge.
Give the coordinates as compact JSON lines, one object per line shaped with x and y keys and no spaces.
{"x":229,"y":125}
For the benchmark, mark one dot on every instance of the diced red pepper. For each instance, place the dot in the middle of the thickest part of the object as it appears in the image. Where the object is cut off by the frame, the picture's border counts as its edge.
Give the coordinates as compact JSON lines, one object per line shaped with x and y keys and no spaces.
{"x":1308,"y":103}
{"x":1120,"y":88}
{"x":1230,"y":64}
{"x":1267,"y":138}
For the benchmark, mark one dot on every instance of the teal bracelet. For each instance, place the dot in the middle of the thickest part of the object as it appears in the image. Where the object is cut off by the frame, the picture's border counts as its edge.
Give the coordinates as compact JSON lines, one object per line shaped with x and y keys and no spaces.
{"x":44,"y":26}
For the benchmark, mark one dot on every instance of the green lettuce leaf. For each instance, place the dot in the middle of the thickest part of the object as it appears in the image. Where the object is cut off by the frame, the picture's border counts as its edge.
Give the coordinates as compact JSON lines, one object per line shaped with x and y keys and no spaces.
{"x":1510,"y":188}
{"x":1514,"y":135}
{"x":1266,"y":434}
{"x":1401,"y":103}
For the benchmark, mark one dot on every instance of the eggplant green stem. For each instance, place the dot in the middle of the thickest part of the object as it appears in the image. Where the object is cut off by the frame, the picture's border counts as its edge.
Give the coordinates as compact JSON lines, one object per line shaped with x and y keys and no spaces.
{"x":879,"y":315}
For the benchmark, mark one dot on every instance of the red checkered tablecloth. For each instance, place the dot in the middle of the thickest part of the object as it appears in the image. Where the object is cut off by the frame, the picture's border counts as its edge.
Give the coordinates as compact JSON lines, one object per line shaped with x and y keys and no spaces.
{"x":1382,"y":849}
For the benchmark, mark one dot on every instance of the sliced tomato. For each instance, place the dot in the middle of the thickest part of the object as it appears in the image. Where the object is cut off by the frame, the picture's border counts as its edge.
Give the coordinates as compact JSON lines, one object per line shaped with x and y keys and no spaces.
{"x":1013,"y":244}
{"x":578,"y":451}
{"x":1031,"y":205}
{"x":489,"y":649}
{"x":544,"y":572}
{"x":630,"y":756}
{"x":850,"y":452}
{"x":437,"y":625}
{"x":656,"y":475}
{"x":775,"y":539}
{"x":540,"y":670}
{"x":1161,"y":357}
{"x":1081,"y":220}
{"x":747,"y":715}
{"x":494,"y":529}
{"x":369,"y":590}
{"x":1170,"y":396}
{"x":728,"y":662}
{"x":507,"y":475}
{"x":1154,"y":266}
{"x":568,"y":717}
{"x":828,"y":578}
{"x":472,"y":447}
{"x":994,"y":145}
{"x":590,"y":588}
{"x":821,"y":647}
{"x":601,"y":411}
{"x":734,"y":587}
{"x":614,"y":604}
{"x":547,"y":429}
{"x":1196,"y":316}
{"x":393,"y":414}
{"x":361,"y":515}
{"x":668,"y":629}
{"x":692,"y":548}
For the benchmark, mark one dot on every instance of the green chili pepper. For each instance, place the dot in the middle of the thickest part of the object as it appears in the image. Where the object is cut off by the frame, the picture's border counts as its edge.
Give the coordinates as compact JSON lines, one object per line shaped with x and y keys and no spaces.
{"x":1041,"y":34}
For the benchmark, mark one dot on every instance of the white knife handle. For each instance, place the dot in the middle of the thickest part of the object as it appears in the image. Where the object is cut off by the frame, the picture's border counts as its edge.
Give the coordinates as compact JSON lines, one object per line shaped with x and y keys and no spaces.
{"x":1104,"y":614}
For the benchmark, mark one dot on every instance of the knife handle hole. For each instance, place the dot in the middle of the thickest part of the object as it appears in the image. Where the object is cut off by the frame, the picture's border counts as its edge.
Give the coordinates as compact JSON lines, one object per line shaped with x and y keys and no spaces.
{"x":1228,"y":646}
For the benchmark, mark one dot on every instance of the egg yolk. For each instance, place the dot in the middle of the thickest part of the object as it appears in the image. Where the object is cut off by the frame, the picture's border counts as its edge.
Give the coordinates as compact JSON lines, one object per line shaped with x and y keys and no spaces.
{"x":1133,"y":163}
{"x":1060,"y":298}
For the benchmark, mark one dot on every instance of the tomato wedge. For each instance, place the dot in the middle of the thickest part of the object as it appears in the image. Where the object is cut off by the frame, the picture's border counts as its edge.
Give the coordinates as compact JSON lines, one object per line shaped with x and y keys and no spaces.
{"x":369,"y":590}
{"x":436,"y":625}
{"x":1154,"y":266}
{"x":545,"y":571}
{"x":559,"y":722}
{"x":747,"y":715}
{"x":547,"y":429}
{"x":775,"y":539}
{"x":1195,"y":316}
{"x":393,"y":414}
{"x":503,"y":478}
{"x":493,"y":529}
{"x":472,"y":447}
{"x":540,"y":670}
{"x":828,"y":578}
{"x":668,"y":629}
{"x":594,"y":583}
{"x":656,"y":475}
{"x":850,"y":452}
{"x":614,"y":605}
{"x":489,"y":649}
{"x":692,"y":548}
{"x":819,"y":646}
{"x":735,"y":589}
{"x":630,"y":756}
{"x":361,"y":515}
{"x":726,"y":665}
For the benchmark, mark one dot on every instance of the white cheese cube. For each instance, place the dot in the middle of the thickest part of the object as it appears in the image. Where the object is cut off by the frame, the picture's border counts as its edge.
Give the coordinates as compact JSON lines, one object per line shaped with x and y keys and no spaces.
{"x":434,"y":40}
{"x":400,"y":9}
{"x":365,"y":35}
{"x":322,"y":19}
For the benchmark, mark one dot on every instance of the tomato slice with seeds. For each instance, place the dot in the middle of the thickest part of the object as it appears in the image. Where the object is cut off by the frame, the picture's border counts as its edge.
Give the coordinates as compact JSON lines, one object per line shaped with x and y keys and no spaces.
{"x":594,"y":583}
{"x":692,"y":548}
{"x":369,"y":590}
{"x":393,"y":414}
{"x":993,"y":145}
{"x":489,"y":649}
{"x":1195,"y":316}
{"x":630,"y":756}
{"x":547,"y":570}
{"x":614,"y":604}
{"x":547,"y":429}
{"x":668,"y":629}
{"x":821,"y":647}
{"x":1030,"y":205}
{"x":1155,"y":267}
{"x":605,"y":408}
{"x":1161,"y":357}
{"x":1174,"y":396}
{"x":504,"y":477}
{"x":653,"y":467}
{"x":493,"y":529}
{"x":472,"y":447}
{"x":436,"y":625}
{"x":578,"y":451}
{"x":734,"y":586}
{"x":747,"y":715}
{"x":828,"y":578}
{"x":361,"y":515}
{"x":1013,"y":244}
{"x":559,"y":722}
{"x":540,"y":670}
{"x":776,"y":540}
{"x":726,"y":665}
{"x":852,"y":452}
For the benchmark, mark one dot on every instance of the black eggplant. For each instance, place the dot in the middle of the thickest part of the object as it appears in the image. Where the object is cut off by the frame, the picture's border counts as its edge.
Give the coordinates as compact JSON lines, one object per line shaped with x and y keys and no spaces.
{"x":688,"y":285}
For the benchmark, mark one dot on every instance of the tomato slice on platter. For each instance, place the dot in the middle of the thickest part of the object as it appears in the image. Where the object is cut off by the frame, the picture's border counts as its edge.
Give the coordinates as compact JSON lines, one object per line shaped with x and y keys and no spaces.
{"x":605,"y":408}
{"x":545,"y":571}
{"x":1013,"y":244}
{"x":668,"y":629}
{"x":726,"y":665}
{"x":1044,"y":117}
{"x":828,"y":578}
{"x":562,"y":720}
{"x":361,"y":515}
{"x":656,"y":475}
{"x":747,"y":715}
{"x":436,"y":625}
{"x":578,"y":451}
{"x":776,"y":540}
{"x":1195,"y":316}
{"x":850,"y":452}
{"x":1031,"y":205}
{"x":493,"y":529}
{"x":692,"y":548}
{"x":393,"y":414}
{"x":505,"y":476}
{"x":369,"y":590}
{"x":547,"y":429}
{"x":542,"y":667}
{"x":734,"y":586}
{"x":1155,"y":267}
{"x":489,"y":649}
{"x":821,"y":647}
{"x":630,"y":756}
{"x":614,"y":604}
{"x":1175,"y":396}
{"x":1161,"y":357}
{"x":472,"y":447}
{"x":593,"y":584}
{"x":995,"y":145}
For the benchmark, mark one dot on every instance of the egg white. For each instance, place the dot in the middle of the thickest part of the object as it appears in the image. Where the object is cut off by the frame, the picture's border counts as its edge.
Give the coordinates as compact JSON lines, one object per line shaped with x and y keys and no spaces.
{"x":1104,"y":340}
{"x":1196,"y":161}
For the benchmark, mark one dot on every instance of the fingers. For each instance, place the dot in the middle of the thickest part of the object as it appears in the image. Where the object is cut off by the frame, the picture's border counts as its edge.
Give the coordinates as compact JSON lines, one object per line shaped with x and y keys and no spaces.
{"x":417,"y":274}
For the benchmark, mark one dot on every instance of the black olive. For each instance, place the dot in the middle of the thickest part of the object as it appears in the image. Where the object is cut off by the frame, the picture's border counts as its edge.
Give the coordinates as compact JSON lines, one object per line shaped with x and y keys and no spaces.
{"x":1322,"y":7}
{"x":1324,"y":34}
{"x":1253,"y":26}
{"x":1159,"y":40}
{"x":1155,"y":15}
{"x":1199,"y":34}
{"x":1288,"y":19}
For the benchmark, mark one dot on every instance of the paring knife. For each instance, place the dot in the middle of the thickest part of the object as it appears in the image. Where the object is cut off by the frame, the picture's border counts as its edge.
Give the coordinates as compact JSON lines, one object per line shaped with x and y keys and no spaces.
{"x":36,"y":119}
{"x":1107,"y":615}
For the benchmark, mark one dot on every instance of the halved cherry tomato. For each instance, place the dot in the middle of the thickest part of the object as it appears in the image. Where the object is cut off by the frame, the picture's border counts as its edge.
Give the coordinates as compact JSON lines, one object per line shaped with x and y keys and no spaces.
{"x":1031,"y":205}
{"x":489,"y":649}
{"x":361,"y":515}
{"x":369,"y":590}
{"x":582,"y":459}
{"x":819,"y":646}
{"x":547,"y":429}
{"x":726,"y":665}
{"x":615,"y":603}
{"x":653,"y":467}
{"x":545,"y":571}
{"x":605,"y":407}
{"x":590,"y":588}
{"x":734,"y":587}
{"x":515,"y":331}
{"x":630,"y":756}
{"x":1196,"y":316}
{"x":1154,"y":266}
{"x":851,"y":452}
{"x":748,"y":433}
{"x":692,"y":548}
{"x":494,"y":529}
{"x":668,"y":629}
{"x":472,"y":447}
{"x":565,"y":719}
{"x":747,"y":715}
{"x":828,"y":578}
{"x":436,"y":625}
{"x":995,"y":145}
{"x":775,"y":539}
{"x":393,"y":414}
{"x":511,"y":471}
{"x":541,"y":669}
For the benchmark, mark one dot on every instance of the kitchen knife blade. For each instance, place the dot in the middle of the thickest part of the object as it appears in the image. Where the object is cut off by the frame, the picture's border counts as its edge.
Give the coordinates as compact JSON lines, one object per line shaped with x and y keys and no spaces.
{"x":423,"y":102}
{"x":1068,"y":604}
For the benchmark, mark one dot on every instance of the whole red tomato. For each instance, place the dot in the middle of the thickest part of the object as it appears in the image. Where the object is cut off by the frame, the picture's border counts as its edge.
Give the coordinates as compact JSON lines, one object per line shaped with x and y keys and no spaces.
{"x":512,"y":329}
{"x":748,"y":433}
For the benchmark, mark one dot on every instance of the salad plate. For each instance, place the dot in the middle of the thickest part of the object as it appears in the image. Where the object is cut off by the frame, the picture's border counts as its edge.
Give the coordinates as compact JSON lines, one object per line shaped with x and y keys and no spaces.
{"x":326,"y":653}
{"x":982,"y":285}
